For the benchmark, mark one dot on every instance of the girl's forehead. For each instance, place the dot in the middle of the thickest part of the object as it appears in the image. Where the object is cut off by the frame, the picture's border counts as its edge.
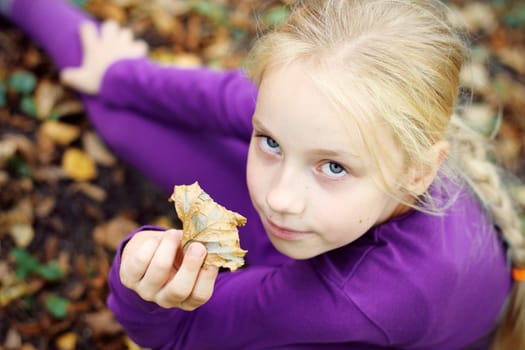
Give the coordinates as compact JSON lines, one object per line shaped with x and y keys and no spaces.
{"x":299,"y":103}
{"x":291,"y":97}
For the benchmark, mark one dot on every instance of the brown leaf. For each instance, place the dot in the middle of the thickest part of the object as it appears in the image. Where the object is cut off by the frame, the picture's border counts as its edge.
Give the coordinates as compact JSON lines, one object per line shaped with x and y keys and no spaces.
{"x":102,"y":323}
{"x":111,"y":233}
{"x":94,"y":192}
{"x":513,"y":57}
{"x":13,"y":340}
{"x":205,"y":221}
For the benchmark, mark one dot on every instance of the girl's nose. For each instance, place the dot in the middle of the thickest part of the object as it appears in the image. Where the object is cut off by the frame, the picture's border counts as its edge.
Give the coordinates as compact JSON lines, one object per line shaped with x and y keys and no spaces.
{"x":286,"y":194}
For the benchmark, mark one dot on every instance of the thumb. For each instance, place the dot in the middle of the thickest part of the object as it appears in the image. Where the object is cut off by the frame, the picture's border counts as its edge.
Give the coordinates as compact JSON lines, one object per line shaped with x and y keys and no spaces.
{"x":78,"y":79}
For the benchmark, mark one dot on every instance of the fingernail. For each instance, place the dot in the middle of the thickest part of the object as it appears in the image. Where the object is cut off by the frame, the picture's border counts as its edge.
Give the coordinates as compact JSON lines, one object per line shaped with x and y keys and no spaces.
{"x":196,"y":250}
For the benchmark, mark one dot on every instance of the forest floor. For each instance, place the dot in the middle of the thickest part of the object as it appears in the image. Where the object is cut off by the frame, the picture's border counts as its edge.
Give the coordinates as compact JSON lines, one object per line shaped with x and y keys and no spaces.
{"x":66,"y":201}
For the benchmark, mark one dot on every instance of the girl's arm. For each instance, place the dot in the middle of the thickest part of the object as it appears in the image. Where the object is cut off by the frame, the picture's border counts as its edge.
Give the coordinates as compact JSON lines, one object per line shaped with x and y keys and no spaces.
{"x":115,"y":68}
{"x":257,"y":307}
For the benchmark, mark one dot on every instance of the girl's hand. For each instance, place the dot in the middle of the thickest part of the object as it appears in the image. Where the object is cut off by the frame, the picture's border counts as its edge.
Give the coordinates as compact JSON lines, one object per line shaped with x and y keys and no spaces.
{"x":100,"y":50}
{"x":154,"y":266}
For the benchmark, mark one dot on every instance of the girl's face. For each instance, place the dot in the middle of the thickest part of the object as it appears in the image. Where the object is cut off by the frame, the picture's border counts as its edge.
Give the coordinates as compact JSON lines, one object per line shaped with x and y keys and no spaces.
{"x":309,"y":176}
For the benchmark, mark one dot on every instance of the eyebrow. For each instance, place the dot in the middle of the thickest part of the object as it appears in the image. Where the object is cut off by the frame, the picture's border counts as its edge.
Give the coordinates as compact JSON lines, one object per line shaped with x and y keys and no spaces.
{"x":328,"y":153}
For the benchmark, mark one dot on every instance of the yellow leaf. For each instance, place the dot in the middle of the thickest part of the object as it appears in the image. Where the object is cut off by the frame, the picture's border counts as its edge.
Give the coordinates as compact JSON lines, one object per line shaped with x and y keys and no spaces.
{"x":59,"y":132}
{"x":185,"y":60}
{"x":78,"y":165}
{"x":209,"y":223}
{"x":67,"y":341}
{"x":12,"y":292}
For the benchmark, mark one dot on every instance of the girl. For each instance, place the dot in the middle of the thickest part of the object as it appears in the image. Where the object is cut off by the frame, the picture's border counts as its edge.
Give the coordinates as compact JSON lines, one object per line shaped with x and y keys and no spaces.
{"x":374,"y":220}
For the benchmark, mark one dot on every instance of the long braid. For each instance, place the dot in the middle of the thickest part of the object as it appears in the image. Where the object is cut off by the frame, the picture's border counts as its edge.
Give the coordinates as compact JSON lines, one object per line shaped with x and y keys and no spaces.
{"x":483,"y":178}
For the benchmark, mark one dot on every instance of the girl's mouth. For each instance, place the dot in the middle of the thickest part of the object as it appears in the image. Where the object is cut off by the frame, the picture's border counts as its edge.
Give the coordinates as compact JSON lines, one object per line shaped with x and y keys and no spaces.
{"x":283,"y":233}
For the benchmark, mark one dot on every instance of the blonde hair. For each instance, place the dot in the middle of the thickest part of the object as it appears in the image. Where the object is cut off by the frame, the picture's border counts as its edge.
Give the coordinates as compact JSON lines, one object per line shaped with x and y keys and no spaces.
{"x":399,"y":61}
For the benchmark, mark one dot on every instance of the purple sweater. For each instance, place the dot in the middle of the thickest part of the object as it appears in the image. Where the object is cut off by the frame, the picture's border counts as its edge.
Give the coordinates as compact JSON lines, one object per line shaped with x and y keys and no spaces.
{"x":415,"y":282}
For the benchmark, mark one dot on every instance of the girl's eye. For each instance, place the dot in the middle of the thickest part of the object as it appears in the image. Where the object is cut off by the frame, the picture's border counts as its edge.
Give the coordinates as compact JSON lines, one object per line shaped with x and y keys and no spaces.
{"x":269,"y":145}
{"x":333,"y":169}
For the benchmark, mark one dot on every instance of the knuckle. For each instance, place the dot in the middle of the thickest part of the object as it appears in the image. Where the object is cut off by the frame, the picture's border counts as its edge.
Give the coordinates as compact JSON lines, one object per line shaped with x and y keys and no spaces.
{"x":146,"y":295}
{"x":176,"y":296}
{"x":200,"y":297}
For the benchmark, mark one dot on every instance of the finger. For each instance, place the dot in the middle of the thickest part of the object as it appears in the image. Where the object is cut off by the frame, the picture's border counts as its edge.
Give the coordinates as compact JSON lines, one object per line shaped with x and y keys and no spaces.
{"x":78,"y":79}
{"x":109,"y":30}
{"x":141,"y":47}
{"x":161,"y":267}
{"x":203,"y":289}
{"x":135,"y":264}
{"x":182,"y":284}
{"x":88,"y":35}
{"x":125,"y":35}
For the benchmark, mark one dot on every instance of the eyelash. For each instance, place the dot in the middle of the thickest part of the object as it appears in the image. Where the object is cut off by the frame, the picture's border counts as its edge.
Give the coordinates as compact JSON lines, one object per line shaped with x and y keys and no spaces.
{"x":264,"y":141}
{"x":264,"y":144}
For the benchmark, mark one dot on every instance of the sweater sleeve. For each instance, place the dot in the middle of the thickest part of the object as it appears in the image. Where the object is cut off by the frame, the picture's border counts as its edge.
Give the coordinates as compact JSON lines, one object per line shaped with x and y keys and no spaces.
{"x":291,"y":306}
{"x":200,"y":99}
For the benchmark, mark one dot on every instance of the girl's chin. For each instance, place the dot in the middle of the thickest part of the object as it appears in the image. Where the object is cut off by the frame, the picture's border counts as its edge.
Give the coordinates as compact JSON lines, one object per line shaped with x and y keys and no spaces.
{"x":292,"y":249}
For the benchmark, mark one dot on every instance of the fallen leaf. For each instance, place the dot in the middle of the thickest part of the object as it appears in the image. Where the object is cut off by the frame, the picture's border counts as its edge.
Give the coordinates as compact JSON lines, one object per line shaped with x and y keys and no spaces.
{"x":78,"y":165}
{"x":479,"y":16}
{"x":60,"y":132}
{"x":22,"y":234}
{"x":111,"y":233}
{"x":167,"y":57}
{"x":94,"y":192}
{"x":12,"y":292}
{"x":514,"y":57}
{"x":66,"y":341}
{"x":13,"y":340}
{"x":102,"y":323}
{"x":96,"y":149}
{"x":209,"y":223}
{"x":46,"y":96}
{"x":68,"y":108}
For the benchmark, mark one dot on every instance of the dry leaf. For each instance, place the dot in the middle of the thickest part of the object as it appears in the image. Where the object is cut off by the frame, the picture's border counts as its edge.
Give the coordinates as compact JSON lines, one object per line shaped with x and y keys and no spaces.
{"x":95,"y":147}
{"x":184,"y":60}
{"x":211,"y":224}
{"x":13,"y":339}
{"x":66,"y":341}
{"x":513,"y":57}
{"x":479,"y":17}
{"x":22,"y":234}
{"x":102,"y":322}
{"x":59,"y":132}
{"x":94,"y":192}
{"x":111,"y":233}
{"x":12,"y":292}
{"x":78,"y":165}
{"x":46,"y":96}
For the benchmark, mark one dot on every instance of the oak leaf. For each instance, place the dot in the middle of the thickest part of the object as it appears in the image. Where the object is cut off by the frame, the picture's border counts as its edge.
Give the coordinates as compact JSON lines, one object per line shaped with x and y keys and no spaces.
{"x":207,"y":222}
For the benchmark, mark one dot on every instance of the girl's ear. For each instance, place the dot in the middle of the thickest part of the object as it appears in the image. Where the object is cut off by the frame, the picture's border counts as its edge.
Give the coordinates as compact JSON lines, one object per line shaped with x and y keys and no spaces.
{"x":420,"y":176}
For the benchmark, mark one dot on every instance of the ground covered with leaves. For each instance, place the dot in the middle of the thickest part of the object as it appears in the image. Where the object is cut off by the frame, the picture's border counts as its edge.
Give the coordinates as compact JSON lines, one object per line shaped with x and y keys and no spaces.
{"x":66,"y":201}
